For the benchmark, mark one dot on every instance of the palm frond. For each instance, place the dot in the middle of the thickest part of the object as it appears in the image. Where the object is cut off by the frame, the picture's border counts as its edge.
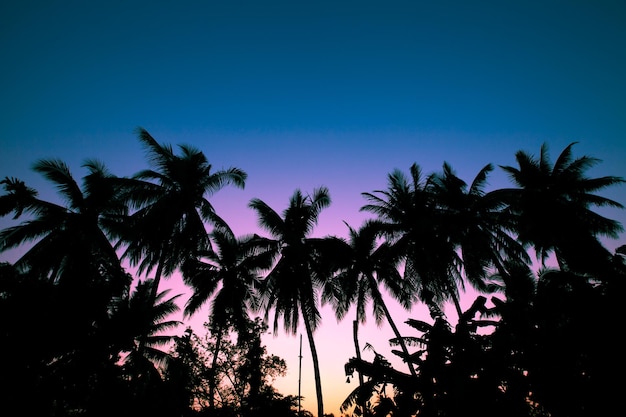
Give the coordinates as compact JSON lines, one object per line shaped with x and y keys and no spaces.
{"x":18,"y":198}
{"x":157,"y":154}
{"x":268,"y":219}
{"x":563,"y":161}
{"x":480,"y":180}
{"x":59,"y":173}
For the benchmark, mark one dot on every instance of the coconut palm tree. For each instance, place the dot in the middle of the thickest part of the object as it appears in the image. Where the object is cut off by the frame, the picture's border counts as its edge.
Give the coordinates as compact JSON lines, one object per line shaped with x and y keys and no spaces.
{"x":172,"y":209}
{"x":228,"y":276}
{"x":554,"y":204}
{"x":290,"y":288}
{"x":411,"y":221}
{"x":138,"y":327}
{"x":73,"y":276}
{"x":370,"y":264}
{"x":474,"y":220}
{"x":71,"y":244}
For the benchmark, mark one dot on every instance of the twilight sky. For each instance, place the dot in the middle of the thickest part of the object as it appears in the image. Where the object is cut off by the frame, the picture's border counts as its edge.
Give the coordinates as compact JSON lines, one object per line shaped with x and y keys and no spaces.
{"x":301,"y":94}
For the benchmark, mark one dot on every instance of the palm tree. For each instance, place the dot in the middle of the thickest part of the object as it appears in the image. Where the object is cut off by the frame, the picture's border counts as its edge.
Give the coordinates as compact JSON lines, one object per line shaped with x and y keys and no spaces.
{"x":18,"y":196}
{"x":554,"y":208}
{"x":139,"y":324}
{"x":369,"y":265}
{"x":229,"y":275}
{"x":138,"y":327}
{"x":73,"y":275}
{"x":71,"y":242}
{"x":301,"y":267}
{"x":476,"y":223}
{"x":171,"y":205}
{"x":411,"y":222}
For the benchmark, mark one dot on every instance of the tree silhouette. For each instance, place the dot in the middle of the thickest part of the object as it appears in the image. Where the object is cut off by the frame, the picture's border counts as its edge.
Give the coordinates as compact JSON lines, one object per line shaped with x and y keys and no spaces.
{"x":69,"y":242}
{"x":78,"y":338}
{"x":411,"y":223}
{"x":290,"y":288}
{"x":369,"y":264}
{"x":554,"y":204}
{"x":476,"y":223}
{"x":229,"y":277}
{"x":139,"y":325}
{"x":172,"y":209}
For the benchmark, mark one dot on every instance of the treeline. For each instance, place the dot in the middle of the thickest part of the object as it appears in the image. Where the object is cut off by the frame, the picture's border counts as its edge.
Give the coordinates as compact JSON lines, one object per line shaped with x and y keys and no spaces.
{"x":81,"y":336}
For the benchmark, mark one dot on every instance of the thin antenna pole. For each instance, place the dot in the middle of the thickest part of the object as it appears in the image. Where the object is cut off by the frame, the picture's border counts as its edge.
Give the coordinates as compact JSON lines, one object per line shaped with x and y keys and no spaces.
{"x":300,"y":376}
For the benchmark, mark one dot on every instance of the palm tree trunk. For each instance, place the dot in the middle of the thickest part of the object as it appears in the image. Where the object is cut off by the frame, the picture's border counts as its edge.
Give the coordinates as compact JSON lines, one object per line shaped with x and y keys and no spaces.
{"x":455,"y":301}
{"x":457,"y":305}
{"x":355,"y":335}
{"x":399,"y":337}
{"x":316,"y":367}
{"x":376,"y":293}
{"x":212,"y":373}
{"x":157,"y":276}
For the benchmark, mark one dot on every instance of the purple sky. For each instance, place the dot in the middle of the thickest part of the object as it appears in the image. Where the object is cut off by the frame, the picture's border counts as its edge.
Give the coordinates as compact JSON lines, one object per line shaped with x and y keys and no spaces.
{"x":303,"y":94}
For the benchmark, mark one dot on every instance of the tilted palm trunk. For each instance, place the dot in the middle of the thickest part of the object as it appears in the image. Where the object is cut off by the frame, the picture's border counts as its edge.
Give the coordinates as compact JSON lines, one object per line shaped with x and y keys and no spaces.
{"x":377,"y":294}
{"x":316,"y":367}
{"x":157,"y":279}
{"x":400,"y":340}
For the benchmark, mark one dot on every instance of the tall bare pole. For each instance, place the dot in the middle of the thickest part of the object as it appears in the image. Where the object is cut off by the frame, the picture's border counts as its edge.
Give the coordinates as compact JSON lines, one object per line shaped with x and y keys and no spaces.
{"x":300,"y":376}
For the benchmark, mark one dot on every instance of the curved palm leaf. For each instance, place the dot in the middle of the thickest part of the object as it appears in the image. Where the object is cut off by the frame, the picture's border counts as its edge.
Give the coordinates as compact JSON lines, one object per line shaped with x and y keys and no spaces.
{"x":18,"y":198}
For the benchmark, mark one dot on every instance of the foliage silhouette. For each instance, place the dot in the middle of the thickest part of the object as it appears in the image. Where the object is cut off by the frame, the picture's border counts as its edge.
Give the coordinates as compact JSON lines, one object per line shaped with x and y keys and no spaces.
{"x":229,"y":277}
{"x":411,"y":223}
{"x":82,"y":336}
{"x":546,"y":356}
{"x":243,"y":373}
{"x":554,"y":204}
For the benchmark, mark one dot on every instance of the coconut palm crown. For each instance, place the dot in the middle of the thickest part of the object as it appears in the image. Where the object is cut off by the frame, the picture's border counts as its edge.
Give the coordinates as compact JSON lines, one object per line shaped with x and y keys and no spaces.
{"x":171,"y":206}
{"x":554,"y":205}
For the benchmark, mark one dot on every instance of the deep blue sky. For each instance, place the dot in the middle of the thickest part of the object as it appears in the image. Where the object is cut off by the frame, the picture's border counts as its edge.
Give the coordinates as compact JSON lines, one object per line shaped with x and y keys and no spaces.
{"x":302,"y":94}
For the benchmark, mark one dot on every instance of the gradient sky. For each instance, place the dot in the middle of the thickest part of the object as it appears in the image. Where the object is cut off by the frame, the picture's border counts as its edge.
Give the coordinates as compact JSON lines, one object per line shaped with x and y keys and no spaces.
{"x":301,"y":94}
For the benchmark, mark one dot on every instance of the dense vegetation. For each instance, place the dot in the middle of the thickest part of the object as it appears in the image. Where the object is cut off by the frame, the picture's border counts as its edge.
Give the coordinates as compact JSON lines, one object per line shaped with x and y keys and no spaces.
{"x":81,"y":336}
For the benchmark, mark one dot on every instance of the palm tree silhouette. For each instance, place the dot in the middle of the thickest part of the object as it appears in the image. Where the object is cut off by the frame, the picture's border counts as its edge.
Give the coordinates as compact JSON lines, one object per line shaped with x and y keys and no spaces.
{"x":290,"y":288}
{"x":139,"y":326}
{"x":71,"y":242}
{"x":228,"y":276}
{"x":476,"y":223}
{"x":73,"y":275}
{"x":369,"y":265}
{"x":554,"y":204}
{"x":172,"y":210}
{"x":411,"y":222}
